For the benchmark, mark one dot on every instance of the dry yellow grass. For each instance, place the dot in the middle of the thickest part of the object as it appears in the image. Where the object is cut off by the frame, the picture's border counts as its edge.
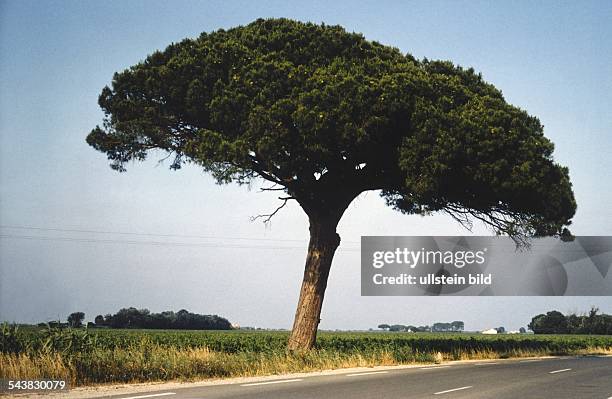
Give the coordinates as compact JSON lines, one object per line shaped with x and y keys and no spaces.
{"x":25,"y":366}
{"x":157,"y":363}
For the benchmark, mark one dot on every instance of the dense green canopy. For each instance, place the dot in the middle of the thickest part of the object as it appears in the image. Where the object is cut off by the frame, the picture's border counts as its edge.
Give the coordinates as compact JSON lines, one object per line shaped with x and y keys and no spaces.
{"x":326,"y":114}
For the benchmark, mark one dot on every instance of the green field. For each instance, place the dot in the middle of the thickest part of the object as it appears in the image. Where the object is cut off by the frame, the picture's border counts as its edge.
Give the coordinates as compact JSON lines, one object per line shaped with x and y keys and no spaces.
{"x":274,"y":341}
{"x":106,"y":356}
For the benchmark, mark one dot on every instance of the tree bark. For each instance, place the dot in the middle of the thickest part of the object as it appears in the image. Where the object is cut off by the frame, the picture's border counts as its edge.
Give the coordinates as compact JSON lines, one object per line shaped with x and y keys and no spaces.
{"x":323,"y":243}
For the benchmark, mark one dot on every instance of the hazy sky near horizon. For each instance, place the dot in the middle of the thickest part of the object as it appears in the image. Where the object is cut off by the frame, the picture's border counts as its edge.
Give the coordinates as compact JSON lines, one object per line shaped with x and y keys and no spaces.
{"x":551,"y":58}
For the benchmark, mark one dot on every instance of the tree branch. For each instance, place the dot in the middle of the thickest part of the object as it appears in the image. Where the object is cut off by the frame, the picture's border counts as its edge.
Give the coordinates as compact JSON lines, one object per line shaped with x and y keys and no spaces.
{"x":502,"y":221}
{"x":272,"y":188}
{"x":261,"y":172}
{"x":268,"y":217}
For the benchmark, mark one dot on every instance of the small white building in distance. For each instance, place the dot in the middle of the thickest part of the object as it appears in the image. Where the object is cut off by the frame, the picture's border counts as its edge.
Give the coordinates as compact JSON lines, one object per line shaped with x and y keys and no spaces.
{"x":490,"y":331}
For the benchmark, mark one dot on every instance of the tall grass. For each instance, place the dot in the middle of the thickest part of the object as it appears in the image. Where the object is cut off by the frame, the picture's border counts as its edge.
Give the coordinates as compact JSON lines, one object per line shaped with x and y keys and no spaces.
{"x":138,"y":356}
{"x":154,"y":362}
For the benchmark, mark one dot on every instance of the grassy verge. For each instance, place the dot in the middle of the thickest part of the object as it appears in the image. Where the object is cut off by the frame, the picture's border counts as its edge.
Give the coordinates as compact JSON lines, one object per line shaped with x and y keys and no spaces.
{"x":163,"y":356}
{"x":159,"y":363}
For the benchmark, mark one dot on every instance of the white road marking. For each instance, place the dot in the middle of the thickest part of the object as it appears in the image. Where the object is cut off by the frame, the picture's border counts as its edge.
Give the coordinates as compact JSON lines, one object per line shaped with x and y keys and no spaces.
{"x":150,"y":396}
{"x":366,"y":373}
{"x":558,"y":371}
{"x":486,"y":364}
{"x":270,"y":382}
{"x":452,"y":390}
{"x":433,"y":367}
{"x":531,"y":360}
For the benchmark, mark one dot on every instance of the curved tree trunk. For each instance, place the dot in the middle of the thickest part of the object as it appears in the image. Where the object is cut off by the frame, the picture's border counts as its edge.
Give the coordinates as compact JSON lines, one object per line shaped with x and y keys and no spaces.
{"x":323,"y":243}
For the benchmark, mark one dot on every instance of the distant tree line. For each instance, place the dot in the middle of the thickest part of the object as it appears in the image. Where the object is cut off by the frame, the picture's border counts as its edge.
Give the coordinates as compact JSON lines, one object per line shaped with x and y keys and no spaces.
{"x":555,"y":322}
{"x":74,"y":320}
{"x":143,"y":318}
{"x":455,"y":326}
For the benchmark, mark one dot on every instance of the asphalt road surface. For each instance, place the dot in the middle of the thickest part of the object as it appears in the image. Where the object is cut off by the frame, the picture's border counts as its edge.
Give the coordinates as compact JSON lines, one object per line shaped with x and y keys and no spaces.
{"x":568,"y":377}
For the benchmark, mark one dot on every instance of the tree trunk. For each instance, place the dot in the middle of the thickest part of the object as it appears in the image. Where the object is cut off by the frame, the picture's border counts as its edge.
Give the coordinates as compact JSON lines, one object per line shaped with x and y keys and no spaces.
{"x":323,"y":243}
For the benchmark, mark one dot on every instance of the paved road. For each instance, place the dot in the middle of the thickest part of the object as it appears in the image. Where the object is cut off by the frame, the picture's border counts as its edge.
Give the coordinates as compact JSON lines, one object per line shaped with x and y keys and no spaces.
{"x":572,"y":378}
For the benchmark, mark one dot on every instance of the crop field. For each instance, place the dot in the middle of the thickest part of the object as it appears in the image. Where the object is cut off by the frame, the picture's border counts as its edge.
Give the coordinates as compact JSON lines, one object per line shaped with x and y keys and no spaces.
{"x":108,"y":356}
{"x":274,"y":341}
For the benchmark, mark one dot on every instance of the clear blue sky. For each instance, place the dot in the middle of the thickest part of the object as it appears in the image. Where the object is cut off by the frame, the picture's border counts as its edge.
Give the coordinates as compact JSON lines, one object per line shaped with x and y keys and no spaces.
{"x":552,"y":58}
